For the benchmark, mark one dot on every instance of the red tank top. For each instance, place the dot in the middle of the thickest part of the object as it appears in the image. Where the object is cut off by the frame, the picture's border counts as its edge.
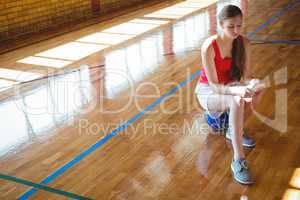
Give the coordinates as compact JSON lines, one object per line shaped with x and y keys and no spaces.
{"x":223,"y":66}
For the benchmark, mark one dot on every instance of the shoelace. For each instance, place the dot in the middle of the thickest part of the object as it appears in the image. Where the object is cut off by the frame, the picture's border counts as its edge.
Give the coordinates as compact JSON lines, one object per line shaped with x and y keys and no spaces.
{"x":244,"y":164}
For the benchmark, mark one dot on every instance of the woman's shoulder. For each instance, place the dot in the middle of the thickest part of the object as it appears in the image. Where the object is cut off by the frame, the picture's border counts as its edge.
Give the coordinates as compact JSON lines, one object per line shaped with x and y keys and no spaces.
{"x":207,"y":44}
{"x":208,"y":41}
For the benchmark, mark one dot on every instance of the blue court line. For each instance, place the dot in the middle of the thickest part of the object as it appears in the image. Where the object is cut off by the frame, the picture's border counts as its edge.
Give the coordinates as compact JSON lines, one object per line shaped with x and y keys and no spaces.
{"x":113,"y":133}
{"x":288,"y":7}
{"x":137,"y":116}
{"x":43,"y":187}
{"x":276,"y":41}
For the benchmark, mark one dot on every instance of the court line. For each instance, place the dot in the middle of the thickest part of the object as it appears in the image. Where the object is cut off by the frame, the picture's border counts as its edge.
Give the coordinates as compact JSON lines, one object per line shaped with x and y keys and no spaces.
{"x":295,"y":42}
{"x":288,"y":7}
{"x":98,"y":144}
{"x":42,"y":187}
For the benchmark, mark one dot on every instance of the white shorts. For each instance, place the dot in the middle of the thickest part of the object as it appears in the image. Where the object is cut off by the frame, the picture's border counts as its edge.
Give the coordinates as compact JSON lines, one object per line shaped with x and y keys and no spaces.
{"x":203,"y":92}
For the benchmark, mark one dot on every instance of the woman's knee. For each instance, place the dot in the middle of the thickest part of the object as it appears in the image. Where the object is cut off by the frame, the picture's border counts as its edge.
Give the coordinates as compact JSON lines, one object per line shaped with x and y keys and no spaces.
{"x":236,"y":101}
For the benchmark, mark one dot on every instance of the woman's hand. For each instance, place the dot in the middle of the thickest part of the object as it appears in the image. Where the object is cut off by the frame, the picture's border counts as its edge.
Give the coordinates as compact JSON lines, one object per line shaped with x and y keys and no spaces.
{"x":246,"y":92}
{"x":253,"y":88}
{"x":255,"y":85}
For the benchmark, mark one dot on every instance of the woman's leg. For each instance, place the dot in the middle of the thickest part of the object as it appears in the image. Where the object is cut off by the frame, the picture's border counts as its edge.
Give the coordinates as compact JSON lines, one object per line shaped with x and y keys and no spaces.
{"x":236,"y":104}
{"x":217,"y":102}
{"x":236,"y":126}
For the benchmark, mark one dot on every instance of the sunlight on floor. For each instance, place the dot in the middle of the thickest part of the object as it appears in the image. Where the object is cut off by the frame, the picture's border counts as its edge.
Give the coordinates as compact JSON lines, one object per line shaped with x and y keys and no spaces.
{"x":119,"y":34}
{"x":47,"y":62}
{"x":181,"y":9}
{"x":291,"y":194}
{"x":17,"y":75}
{"x":130,"y":28}
{"x":149,"y":21}
{"x":295,"y":180}
{"x":105,"y":38}
{"x":5,"y":83}
{"x":72,"y":51}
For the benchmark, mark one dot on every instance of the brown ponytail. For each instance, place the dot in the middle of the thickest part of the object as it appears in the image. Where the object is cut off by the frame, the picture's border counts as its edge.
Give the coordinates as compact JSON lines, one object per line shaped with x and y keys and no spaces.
{"x":238,"y":48}
{"x":238,"y":59}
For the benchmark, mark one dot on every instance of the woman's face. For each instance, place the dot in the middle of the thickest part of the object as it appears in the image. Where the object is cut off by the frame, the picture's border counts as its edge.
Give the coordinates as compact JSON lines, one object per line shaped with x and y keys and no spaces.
{"x":232,"y":27}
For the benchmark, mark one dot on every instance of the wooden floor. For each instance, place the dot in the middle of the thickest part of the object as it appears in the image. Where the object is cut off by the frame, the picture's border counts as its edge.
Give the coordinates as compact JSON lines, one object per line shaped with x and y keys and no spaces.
{"x":165,"y":151}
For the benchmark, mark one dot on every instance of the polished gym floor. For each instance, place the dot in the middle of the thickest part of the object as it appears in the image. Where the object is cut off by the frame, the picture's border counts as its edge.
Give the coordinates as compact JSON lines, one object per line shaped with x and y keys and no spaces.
{"x":109,"y":111}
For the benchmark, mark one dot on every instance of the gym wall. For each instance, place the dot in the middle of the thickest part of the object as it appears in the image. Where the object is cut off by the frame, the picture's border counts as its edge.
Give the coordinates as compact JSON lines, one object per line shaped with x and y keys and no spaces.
{"x":23,"y":17}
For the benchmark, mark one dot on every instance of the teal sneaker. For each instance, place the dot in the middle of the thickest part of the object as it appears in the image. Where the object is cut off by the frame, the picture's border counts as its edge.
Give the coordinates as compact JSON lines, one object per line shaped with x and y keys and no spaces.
{"x":240,"y":171}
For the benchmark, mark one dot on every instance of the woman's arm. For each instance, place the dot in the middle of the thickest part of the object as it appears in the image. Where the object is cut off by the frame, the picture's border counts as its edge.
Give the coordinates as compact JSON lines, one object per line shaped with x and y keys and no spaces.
{"x":207,"y":55}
